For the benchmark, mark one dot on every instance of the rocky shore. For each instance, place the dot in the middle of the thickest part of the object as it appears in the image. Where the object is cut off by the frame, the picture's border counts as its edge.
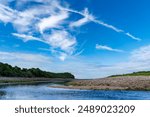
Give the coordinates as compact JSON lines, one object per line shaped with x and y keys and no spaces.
{"x":111,"y":83}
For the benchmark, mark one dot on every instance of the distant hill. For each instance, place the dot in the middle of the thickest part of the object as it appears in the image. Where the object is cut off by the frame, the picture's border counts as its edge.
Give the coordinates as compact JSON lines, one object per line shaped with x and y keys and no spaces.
{"x":140,"y":73}
{"x":7,"y":70}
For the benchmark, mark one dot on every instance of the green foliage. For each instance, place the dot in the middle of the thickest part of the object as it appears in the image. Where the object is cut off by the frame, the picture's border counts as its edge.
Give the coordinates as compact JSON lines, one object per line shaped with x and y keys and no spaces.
{"x":141,"y":73}
{"x":7,"y":70}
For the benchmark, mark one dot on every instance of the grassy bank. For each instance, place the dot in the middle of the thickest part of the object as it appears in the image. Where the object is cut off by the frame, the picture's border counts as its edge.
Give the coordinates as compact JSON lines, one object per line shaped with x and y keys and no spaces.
{"x":8,"y":80}
{"x":140,"y":73}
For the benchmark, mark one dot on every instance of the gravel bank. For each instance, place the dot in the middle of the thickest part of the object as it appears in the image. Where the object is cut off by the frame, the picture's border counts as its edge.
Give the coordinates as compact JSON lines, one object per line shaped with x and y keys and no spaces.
{"x":111,"y":83}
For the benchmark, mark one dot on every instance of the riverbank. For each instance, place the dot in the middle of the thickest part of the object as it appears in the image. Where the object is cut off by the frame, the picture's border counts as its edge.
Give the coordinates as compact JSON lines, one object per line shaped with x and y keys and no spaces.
{"x":20,"y":80}
{"x":111,"y":83}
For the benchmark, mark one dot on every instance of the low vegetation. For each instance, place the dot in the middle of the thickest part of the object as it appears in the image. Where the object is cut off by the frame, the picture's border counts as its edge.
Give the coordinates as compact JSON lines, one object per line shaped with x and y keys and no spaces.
{"x":141,"y":73}
{"x":7,"y":70}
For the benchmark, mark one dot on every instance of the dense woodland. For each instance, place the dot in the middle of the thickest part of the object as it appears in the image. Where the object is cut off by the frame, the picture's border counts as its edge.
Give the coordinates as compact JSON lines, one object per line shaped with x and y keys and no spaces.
{"x":7,"y":70}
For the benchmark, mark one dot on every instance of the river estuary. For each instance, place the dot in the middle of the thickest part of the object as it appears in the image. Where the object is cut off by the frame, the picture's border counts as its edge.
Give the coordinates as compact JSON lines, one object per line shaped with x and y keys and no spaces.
{"x":43,"y":92}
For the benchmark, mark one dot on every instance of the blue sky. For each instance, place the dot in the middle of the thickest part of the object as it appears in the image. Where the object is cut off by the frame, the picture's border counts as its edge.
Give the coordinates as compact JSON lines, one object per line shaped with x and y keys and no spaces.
{"x":89,"y":38}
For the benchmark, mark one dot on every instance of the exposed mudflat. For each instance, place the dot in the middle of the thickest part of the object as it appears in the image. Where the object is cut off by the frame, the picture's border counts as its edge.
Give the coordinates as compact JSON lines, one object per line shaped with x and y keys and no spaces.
{"x":111,"y":83}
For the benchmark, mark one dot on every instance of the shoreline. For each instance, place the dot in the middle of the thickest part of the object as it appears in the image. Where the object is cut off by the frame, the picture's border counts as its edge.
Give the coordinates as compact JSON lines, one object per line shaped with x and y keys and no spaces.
{"x":89,"y":87}
{"x":134,"y":83}
{"x":21,"y":80}
{"x":138,"y":83}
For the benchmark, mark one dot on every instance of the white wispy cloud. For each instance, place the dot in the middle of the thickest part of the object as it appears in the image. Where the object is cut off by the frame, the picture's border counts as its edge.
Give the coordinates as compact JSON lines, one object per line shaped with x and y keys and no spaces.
{"x":103,"y":47}
{"x":133,"y":37}
{"x":82,"y":67}
{"x":6,"y":14}
{"x":107,"y":25}
{"x":53,"y":21}
{"x":26,"y":37}
{"x":141,"y":54}
{"x":27,"y":17}
{"x":58,"y":39}
{"x":25,"y":57}
{"x":61,"y":39}
{"x":86,"y":18}
{"x":90,"y":18}
{"x":50,"y":21}
{"x":79,"y":23}
{"x":45,"y":17}
{"x":62,"y":56}
{"x":138,"y":60}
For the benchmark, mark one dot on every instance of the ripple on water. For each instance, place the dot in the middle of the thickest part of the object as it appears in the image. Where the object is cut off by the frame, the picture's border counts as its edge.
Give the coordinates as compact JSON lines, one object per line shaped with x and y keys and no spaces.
{"x":43,"y":92}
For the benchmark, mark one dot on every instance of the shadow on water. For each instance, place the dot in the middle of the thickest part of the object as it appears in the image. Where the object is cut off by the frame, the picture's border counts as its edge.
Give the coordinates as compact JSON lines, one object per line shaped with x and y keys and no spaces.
{"x":2,"y":93}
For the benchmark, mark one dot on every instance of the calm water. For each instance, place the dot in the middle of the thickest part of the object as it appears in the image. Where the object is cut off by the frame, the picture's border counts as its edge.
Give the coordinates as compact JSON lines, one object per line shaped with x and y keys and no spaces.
{"x":43,"y":92}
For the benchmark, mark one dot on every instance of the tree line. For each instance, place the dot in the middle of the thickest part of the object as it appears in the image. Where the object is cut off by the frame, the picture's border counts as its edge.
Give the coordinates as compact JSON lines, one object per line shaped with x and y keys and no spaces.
{"x":7,"y":70}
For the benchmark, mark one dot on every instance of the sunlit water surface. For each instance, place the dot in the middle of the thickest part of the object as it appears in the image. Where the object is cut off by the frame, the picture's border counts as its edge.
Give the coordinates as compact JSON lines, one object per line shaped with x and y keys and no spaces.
{"x":43,"y":92}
